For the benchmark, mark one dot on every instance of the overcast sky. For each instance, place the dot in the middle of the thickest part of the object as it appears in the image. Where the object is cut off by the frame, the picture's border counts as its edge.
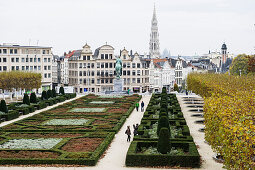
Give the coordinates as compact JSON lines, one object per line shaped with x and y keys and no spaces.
{"x":186,"y":27}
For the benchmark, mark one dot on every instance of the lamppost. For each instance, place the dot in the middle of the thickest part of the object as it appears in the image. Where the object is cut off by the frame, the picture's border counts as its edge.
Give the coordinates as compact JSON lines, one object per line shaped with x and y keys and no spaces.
{"x":240,"y":72}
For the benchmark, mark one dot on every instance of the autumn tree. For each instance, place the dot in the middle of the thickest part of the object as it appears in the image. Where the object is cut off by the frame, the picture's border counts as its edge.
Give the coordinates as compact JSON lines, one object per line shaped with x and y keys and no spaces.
{"x":239,"y":64}
{"x":251,"y":64}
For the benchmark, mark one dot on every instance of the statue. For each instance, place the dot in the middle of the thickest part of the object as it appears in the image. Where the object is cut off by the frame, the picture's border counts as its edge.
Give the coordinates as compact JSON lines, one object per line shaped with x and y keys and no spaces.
{"x":118,"y":68}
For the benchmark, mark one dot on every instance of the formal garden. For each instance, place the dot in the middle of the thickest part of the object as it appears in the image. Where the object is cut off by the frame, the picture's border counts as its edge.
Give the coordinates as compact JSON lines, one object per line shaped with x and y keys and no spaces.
{"x":163,"y":136}
{"x":77,"y":132}
{"x":229,"y":108}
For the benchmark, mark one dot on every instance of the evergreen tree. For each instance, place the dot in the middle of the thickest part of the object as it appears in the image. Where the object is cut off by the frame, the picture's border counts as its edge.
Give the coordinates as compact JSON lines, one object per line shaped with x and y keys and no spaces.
{"x":164,"y":144}
{"x":44,"y":95}
{"x":61,"y":90}
{"x":26,"y":99}
{"x":3,"y":107}
{"x":176,"y":88}
{"x":163,"y":122}
{"x":49,"y":94}
{"x":54,"y":93}
{"x":33,"y":98}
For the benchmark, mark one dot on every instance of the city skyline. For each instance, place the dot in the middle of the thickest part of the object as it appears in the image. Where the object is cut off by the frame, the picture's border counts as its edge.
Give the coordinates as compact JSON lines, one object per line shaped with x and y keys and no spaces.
{"x":185,"y":27}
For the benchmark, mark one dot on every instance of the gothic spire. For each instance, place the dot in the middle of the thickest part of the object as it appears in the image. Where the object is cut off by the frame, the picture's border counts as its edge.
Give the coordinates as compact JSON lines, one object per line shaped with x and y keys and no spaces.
{"x":154,"y":36}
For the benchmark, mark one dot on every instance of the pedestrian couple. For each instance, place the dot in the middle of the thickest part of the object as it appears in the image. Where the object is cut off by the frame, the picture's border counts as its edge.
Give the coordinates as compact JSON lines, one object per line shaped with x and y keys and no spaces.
{"x":137,"y":106}
{"x":128,"y":131}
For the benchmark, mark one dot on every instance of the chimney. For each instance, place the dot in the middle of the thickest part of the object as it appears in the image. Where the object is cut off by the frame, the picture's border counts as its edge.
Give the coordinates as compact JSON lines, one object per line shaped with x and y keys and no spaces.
{"x":131,"y":52}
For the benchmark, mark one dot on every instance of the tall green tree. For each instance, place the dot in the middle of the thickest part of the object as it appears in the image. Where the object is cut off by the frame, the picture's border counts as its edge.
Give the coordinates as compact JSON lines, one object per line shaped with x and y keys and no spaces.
{"x":239,"y":65}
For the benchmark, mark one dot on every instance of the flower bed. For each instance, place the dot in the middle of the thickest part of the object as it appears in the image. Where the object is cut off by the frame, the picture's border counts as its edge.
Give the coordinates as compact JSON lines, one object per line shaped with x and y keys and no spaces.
{"x":88,"y":110}
{"x":110,"y":96}
{"x":84,"y":136}
{"x":101,"y":102}
{"x":65,"y":122}
{"x":40,"y":143}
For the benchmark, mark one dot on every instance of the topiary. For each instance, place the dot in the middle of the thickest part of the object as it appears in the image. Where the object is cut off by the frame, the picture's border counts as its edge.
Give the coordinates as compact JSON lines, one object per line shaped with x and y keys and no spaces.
{"x":164,"y":144}
{"x":54,"y":93}
{"x":44,"y":95}
{"x":176,"y":88}
{"x":3,"y":107}
{"x":33,"y":98}
{"x":61,"y":90}
{"x":49,"y":94}
{"x":163,"y":122}
{"x":26,"y":99}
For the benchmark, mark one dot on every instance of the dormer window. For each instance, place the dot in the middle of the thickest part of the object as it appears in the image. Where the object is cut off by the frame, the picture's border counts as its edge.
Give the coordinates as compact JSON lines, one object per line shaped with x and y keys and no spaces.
{"x":124,"y":56}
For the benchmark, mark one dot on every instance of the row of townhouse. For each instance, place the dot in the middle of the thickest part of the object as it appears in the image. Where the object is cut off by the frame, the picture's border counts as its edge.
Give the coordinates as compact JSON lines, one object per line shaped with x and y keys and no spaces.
{"x":94,"y":72}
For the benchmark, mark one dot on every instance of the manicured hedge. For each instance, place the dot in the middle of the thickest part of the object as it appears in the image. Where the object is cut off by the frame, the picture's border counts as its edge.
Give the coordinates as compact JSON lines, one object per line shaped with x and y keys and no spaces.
{"x":229,"y":116}
{"x":189,"y":159}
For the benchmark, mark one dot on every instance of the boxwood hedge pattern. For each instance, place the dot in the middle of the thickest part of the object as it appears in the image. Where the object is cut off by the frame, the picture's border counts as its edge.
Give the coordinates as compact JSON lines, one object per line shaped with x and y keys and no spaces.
{"x":147,"y":137}
{"x":96,"y":132}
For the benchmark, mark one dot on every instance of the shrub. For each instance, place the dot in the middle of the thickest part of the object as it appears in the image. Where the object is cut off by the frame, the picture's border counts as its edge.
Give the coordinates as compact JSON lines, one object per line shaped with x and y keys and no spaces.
{"x":163,"y":122}
{"x":49,"y":94}
{"x":26,"y":99}
{"x":176,"y":88}
{"x":164,"y":145}
{"x":54,"y":93}
{"x":61,"y":91}
{"x":33,"y":98}
{"x":3,"y":107}
{"x":44,"y":95}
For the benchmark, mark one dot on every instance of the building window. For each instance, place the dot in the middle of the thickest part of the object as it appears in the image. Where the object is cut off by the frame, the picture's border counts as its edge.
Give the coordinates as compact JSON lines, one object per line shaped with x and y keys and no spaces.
{"x":4,"y":60}
{"x":102,"y":81}
{"x":12,"y":60}
{"x":17,"y":60}
{"x":80,"y":73}
{"x":35,"y":67}
{"x":15,"y":51}
{"x":106,"y":56}
{"x":128,"y":65}
{"x":138,"y":65}
{"x":0,"y":51}
{"x":98,"y":65}
{"x":110,"y":65}
{"x":0,"y":59}
{"x":124,"y":57}
{"x":124,"y":65}
{"x":138,"y":80}
{"x":128,"y":72}
{"x":23,"y":60}
{"x":84,"y":57}
{"x":49,"y":75}
{"x":49,"y":60}
{"x":138,"y":72}
{"x":23,"y":67}
{"x":133,"y":80}
{"x":124,"y":72}
{"x":80,"y":65}
{"x":110,"y":80}
{"x":13,"y":68}
{"x":98,"y":73}
{"x":88,"y":57}
{"x":92,"y":73}
{"x":133,"y":65}
{"x":17,"y":67}
{"x":49,"y":67}
{"x":98,"y":81}
{"x":31,"y":68}
{"x":106,"y":65}
{"x":45,"y":67}
{"x":92,"y":81}
{"x":39,"y":59}
{"x":39,"y":67}
{"x":92,"y":65}
{"x":84,"y":65}
{"x":102,"y":56}
{"x":11,"y":51}
{"x":110,"y":56}
{"x":45,"y":75}
{"x":4,"y":68}
{"x":45,"y":60}
{"x":102,"y":65}
{"x":88,"y":65}
{"x":0,"y":68}
{"x":43,"y":51}
{"x":4,"y":51}
{"x":133,"y":72}
{"x":31,"y":60}
{"x":27,"y":68}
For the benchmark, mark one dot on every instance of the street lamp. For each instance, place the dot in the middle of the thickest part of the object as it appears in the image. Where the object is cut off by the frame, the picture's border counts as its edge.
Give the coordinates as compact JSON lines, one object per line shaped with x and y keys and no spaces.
{"x":240,"y":72}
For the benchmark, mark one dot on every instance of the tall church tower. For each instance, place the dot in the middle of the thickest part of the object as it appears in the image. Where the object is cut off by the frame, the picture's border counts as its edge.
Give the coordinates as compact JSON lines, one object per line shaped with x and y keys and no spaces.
{"x":154,"y":37}
{"x":224,"y":53}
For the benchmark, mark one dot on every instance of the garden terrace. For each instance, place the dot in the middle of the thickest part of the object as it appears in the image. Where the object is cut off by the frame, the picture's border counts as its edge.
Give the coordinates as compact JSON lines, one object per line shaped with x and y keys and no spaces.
{"x":143,"y":150}
{"x":77,"y":132}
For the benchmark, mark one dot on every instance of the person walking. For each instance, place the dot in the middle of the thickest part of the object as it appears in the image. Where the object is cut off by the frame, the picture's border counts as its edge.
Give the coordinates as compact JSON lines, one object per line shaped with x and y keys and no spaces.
{"x":128,"y":133}
{"x":135,"y":129}
{"x":137,"y":106}
{"x":142,"y":106}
